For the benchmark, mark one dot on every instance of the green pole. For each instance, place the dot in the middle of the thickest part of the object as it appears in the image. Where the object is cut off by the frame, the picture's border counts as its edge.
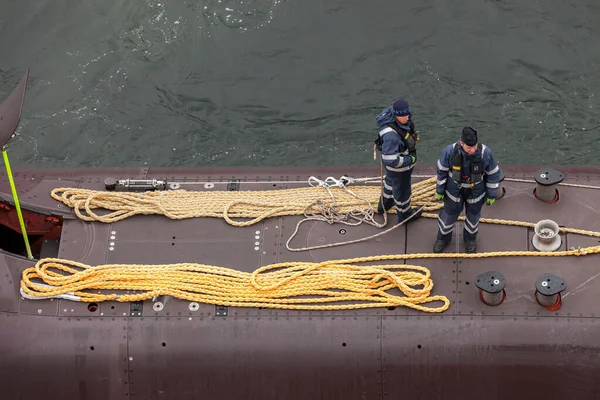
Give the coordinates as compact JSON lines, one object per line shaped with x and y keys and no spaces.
{"x":17,"y":205}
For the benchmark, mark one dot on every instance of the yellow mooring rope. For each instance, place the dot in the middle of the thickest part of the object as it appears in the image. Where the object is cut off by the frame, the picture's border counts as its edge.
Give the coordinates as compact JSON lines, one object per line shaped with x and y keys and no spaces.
{"x":257,"y":205}
{"x":292,"y":285}
{"x":329,"y":285}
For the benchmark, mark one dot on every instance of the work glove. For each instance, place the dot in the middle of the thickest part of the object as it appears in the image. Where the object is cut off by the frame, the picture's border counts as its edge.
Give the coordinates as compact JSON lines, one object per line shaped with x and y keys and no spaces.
{"x":439,"y":196}
{"x":413,"y":154}
{"x":413,"y":159}
{"x":489,"y":201}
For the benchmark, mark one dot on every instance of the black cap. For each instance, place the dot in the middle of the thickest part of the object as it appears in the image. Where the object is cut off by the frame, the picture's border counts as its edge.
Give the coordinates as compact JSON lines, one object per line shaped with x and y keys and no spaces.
{"x":401,"y":107}
{"x":469,"y":136}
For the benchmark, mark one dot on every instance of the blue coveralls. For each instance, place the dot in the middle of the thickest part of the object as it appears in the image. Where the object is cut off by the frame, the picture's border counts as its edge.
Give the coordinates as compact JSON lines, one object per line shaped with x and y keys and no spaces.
{"x":398,"y":168}
{"x":458,"y":194}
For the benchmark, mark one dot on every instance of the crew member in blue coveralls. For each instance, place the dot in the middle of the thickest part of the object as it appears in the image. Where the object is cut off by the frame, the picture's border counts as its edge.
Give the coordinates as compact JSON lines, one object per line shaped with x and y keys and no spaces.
{"x":467,"y":174}
{"x":397,"y":143}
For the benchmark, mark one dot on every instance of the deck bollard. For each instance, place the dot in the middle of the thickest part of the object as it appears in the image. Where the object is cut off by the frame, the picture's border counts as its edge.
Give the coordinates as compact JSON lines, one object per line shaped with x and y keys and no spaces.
{"x":547,"y":291}
{"x":491,"y":287}
{"x":546,"y":181}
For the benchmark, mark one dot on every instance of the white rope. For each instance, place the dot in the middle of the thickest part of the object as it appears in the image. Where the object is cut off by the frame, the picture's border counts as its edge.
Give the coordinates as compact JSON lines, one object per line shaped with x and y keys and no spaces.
{"x":67,"y":296}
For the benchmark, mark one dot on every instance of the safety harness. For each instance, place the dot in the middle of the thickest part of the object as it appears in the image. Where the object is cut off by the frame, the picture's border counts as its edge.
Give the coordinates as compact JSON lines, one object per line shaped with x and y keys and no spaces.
{"x":472,"y":177}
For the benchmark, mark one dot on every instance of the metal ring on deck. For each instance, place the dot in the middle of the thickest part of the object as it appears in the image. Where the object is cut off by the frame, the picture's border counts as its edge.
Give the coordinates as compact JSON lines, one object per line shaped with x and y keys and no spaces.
{"x":492,"y":299}
{"x":550,"y":303}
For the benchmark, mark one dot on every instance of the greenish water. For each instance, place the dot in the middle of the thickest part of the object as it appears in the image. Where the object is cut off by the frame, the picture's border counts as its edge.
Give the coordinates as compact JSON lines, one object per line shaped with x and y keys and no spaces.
{"x":274,"y":83}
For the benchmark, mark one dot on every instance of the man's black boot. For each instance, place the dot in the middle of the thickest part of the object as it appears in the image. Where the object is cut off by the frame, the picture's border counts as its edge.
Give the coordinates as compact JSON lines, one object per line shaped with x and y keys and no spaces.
{"x":440,"y":245}
{"x":402,"y":217}
{"x":380,"y":209}
{"x":470,"y":246}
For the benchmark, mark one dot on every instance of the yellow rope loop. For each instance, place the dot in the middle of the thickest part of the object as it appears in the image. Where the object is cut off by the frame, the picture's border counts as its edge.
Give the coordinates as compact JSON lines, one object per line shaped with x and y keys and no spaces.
{"x":332,"y":285}
{"x":253,"y":205}
{"x":329,"y":285}
{"x":254,"y":208}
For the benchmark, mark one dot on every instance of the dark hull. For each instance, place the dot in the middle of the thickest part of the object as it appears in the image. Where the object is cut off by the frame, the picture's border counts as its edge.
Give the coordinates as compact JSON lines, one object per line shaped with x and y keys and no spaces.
{"x":60,"y":349}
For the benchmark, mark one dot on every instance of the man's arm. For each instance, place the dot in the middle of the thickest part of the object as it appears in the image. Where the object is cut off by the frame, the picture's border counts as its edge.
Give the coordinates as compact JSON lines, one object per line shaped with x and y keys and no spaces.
{"x":492,"y":174}
{"x":442,"y":168}
{"x":390,"y":147}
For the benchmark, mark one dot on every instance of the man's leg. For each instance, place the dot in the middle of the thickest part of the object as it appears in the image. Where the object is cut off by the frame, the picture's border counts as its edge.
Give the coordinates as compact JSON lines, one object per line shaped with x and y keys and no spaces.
{"x":386,"y":200}
{"x":401,"y":193}
{"x":473,"y":213}
{"x":447,"y":221}
{"x":403,"y":200}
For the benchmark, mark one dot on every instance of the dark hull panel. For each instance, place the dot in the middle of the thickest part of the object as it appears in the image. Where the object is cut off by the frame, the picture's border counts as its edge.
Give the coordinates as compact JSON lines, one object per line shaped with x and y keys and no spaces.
{"x":304,"y":357}
{"x":10,"y":111}
{"x":59,"y":349}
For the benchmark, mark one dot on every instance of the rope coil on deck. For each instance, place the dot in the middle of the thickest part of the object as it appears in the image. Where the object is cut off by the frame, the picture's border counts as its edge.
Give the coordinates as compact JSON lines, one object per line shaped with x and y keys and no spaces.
{"x":330,"y":198}
{"x":255,"y":205}
{"x":283,"y":285}
{"x":274,"y":286}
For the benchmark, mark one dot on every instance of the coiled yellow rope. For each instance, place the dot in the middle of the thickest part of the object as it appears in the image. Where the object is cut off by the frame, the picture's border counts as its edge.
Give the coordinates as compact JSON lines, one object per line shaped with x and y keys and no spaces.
{"x":279,"y":286}
{"x":274,"y":286}
{"x":256,"y":205}
{"x":283,"y":285}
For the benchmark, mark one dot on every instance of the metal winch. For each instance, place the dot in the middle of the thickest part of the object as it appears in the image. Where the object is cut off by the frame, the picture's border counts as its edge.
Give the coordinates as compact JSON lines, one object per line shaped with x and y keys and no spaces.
{"x":546,"y":237}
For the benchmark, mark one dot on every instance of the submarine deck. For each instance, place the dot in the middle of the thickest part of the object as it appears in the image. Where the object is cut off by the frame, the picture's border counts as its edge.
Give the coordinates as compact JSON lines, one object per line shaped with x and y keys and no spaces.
{"x":156,"y":239}
{"x":386,"y":344}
